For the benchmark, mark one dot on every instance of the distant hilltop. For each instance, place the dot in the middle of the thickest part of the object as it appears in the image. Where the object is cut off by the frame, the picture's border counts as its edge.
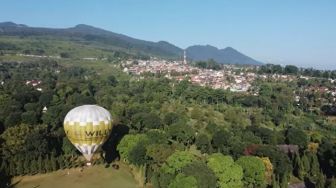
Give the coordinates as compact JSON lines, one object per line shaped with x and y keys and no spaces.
{"x":225,"y":56}
{"x":104,"y":38}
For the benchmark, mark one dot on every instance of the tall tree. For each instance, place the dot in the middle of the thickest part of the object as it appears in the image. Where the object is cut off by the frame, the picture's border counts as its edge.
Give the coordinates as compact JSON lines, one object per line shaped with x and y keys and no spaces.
{"x":320,"y":180}
{"x":127,"y":143}
{"x":177,"y":161}
{"x":297,"y":137}
{"x":332,"y":183}
{"x":204,"y":175}
{"x":298,"y":167}
{"x":254,"y":171}
{"x":182,"y":181}
{"x":137,"y":155}
{"x":284,"y":181}
{"x":228,"y":173}
{"x":203,"y":143}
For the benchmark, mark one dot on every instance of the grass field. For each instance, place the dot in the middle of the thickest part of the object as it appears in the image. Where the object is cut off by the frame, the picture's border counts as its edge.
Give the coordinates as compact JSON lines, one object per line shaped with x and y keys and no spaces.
{"x":96,"y":176}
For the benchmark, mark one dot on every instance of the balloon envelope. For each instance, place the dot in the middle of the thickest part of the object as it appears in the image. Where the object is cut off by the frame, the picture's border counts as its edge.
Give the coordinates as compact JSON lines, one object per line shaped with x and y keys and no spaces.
{"x":88,"y":127}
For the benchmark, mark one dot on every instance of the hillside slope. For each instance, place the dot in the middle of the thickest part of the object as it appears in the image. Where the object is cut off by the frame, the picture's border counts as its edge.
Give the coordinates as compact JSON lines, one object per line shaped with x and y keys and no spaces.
{"x":106,"y":40}
{"x":95,"y":36}
{"x":225,"y":56}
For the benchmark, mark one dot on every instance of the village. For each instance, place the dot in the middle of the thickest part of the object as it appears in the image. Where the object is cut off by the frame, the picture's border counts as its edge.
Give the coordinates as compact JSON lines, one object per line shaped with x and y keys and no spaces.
{"x":227,"y":78}
{"x":230,"y":77}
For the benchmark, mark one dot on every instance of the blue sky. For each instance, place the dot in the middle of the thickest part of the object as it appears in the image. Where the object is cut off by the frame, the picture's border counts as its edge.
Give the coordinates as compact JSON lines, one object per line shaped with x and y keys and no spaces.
{"x":300,"y":32}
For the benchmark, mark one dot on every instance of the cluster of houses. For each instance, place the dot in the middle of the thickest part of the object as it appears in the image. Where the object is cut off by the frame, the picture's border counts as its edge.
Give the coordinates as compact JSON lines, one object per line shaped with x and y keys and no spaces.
{"x":35,"y":84}
{"x":326,"y":93}
{"x":178,"y":70}
{"x":278,"y":77}
{"x":227,"y":78}
{"x":39,"y":56}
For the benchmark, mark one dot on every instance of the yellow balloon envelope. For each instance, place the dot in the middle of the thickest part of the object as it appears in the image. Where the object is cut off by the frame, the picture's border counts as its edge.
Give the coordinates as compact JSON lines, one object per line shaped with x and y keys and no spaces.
{"x":88,"y":127}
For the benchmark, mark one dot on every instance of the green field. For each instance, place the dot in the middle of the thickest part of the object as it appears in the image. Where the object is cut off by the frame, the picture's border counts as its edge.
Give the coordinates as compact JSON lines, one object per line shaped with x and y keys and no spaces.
{"x":96,"y":176}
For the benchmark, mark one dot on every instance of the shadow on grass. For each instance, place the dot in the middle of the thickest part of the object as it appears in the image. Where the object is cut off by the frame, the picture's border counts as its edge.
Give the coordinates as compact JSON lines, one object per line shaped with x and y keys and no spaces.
{"x":12,"y":185}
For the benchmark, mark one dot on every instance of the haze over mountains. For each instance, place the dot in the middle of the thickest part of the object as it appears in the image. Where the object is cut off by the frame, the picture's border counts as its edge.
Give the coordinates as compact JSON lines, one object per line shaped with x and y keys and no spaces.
{"x":110,"y":40}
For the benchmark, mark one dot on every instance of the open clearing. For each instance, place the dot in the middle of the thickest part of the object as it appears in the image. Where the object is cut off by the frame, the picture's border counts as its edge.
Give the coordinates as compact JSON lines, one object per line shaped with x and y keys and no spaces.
{"x":96,"y":176}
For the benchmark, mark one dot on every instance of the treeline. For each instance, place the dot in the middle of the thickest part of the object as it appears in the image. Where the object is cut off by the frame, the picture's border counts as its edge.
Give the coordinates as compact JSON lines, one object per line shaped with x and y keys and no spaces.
{"x":210,"y":64}
{"x":293,"y":70}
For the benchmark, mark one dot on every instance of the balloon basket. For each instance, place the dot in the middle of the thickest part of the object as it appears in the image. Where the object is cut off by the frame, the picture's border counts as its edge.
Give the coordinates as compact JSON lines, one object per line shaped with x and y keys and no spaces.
{"x":88,"y":164}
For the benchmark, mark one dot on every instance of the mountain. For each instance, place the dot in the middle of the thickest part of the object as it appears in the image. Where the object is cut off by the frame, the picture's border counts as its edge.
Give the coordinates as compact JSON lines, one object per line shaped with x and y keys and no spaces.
{"x":11,"y":24}
{"x":96,"y":36}
{"x":107,"y":40}
{"x":225,"y":56}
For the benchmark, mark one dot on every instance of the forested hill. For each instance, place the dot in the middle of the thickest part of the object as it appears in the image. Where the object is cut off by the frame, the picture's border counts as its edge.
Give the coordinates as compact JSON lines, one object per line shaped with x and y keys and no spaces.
{"x":98,"y":37}
{"x":225,"y":56}
{"x":107,"y":40}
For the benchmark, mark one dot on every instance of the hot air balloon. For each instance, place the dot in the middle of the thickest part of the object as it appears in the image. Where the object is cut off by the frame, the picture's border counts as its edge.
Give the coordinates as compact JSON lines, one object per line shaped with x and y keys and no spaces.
{"x":87,"y":128}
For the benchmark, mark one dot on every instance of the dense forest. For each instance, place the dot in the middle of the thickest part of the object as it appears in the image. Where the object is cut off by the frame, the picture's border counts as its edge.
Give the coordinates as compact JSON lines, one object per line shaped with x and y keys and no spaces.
{"x":177,"y":134}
